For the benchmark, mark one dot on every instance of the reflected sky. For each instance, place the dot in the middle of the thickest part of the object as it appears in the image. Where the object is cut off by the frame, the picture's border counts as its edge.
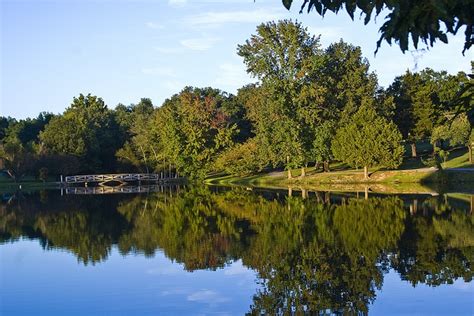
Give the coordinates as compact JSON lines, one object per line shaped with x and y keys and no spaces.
{"x":401,"y":298}
{"x":40,"y":282}
{"x":201,"y":251}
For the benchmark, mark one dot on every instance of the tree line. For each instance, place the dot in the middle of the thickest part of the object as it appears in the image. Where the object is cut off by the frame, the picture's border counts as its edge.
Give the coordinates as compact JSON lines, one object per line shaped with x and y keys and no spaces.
{"x":310,"y":105}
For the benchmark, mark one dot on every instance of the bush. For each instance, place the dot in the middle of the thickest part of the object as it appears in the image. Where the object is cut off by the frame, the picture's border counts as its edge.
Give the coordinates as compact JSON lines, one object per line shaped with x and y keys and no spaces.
{"x":242,"y":159}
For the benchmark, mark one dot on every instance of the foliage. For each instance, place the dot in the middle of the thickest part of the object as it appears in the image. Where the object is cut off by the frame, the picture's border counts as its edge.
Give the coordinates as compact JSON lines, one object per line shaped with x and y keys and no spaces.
{"x":86,"y":130}
{"x":193,"y":128}
{"x":17,"y":159}
{"x":28,"y":130}
{"x":241,"y":159}
{"x":322,"y":142}
{"x":424,"y":20}
{"x":138,"y":149}
{"x":43,"y":174}
{"x":347,"y":81}
{"x":368,"y":140}
{"x":286,"y":58}
{"x":456,"y":132}
{"x":423,"y":100}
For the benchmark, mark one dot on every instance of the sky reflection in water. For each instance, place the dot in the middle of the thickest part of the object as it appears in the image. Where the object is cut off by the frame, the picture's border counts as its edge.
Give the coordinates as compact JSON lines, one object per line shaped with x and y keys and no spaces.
{"x":234,"y":252}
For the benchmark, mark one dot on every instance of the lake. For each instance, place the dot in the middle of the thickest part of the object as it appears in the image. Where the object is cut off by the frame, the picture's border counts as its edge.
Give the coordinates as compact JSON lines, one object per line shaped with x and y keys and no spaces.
{"x":230,"y":251}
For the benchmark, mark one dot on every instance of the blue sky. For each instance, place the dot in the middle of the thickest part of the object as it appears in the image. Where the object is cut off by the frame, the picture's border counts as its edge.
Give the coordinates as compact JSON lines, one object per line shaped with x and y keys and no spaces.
{"x":125,"y":50}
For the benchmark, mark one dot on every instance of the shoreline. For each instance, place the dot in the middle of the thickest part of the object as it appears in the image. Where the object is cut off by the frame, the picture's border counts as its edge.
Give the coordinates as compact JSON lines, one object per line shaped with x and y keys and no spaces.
{"x":429,"y":181}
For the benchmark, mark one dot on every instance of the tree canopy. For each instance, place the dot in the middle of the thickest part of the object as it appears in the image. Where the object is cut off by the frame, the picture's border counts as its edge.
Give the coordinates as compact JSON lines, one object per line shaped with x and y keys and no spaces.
{"x":422,"y":20}
{"x":368,"y":140}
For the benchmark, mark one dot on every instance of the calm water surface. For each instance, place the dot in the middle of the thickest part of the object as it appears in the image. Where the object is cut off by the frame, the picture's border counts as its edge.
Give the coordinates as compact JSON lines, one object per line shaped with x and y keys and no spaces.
{"x":202,"y":250}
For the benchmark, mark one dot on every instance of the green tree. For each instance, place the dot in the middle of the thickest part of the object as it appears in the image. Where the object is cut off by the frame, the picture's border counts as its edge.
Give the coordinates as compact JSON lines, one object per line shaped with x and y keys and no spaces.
{"x":138,"y":149}
{"x":86,"y":130}
{"x":286,"y":58}
{"x":455,"y":132}
{"x":347,"y":80}
{"x":321,"y":151}
{"x":241,"y":159}
{"x":4,"y":124}
{"x":424,"y":20}
{"x":28,"y":130}
{"x":368,"y":140}
{"x":193,"y":127}
{"x":17,"y":159}
{"x":420,"y":101}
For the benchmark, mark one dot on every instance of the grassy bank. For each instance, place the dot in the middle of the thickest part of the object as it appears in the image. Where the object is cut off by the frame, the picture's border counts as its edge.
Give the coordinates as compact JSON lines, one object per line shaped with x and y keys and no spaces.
{"x":413,"y":177}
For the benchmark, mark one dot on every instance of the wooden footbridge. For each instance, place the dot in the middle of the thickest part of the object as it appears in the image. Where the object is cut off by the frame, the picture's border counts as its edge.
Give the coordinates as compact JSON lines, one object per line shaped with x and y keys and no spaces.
{"x":120,"y":178}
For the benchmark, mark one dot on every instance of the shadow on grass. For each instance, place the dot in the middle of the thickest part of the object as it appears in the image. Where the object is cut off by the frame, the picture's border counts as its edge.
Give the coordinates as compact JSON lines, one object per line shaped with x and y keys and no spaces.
{"x":450,"y":181}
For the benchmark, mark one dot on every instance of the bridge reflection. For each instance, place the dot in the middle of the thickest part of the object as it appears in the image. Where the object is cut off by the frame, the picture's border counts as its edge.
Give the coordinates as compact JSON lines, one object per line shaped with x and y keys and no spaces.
{"x":121,"y":178}
{"x":120,"y":189}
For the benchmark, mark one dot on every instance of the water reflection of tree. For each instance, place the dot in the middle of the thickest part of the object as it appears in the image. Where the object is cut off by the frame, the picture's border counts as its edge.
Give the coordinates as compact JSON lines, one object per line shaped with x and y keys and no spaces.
{"x":309,"y":256}
{"x":436,"y":248}
{"x":188,"y":227}
{"x":88,"y":227}
{"x":335,"y":260}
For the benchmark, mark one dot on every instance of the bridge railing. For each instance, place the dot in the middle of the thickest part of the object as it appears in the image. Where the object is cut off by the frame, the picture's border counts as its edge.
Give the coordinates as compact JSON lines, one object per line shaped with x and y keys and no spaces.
{"x":123,"y":177}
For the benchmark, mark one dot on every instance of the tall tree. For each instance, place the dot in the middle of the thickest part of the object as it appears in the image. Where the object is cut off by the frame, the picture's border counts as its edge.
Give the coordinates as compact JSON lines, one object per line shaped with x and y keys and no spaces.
{"x":368,"y":140}
{"x":286,"y":58}
{"x":348,"y":81}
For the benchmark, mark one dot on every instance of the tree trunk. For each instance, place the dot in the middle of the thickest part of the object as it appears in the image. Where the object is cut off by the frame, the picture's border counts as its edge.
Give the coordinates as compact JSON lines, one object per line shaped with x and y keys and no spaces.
{"x":366,"y":191}
{"x":326,"y":166}
{"x":304,"y":193}
{"x":327,"y":197}
{"x":472,"y":205}
{"x":287,"y":165}
{"x":303,"y":172}
{"x":318,"y":196}
{"x":470,"y":152}
{"x":413,"y":150}
{"x":366,"y":173}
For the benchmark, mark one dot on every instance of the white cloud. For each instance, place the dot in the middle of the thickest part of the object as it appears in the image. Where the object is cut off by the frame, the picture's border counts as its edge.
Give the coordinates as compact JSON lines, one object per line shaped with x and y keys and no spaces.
{"x":232,"y":76}
{"x":177,"y":3}
{"x":160,"y":71}
{"x":155,"y":26}
{"x":201,"y":44}
{"x":207,"y":296}
{"x":217,"y":18}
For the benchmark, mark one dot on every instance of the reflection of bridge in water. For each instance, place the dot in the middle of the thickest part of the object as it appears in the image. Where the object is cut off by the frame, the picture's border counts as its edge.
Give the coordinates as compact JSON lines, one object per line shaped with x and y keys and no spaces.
{"x":118,"y":189}
{"x":121,"y":178}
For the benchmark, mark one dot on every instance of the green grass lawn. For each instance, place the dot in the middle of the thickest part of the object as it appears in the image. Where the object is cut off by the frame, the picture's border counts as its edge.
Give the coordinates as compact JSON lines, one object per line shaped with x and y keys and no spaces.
{"x":411,"y":172}
{"x":458,"y":159}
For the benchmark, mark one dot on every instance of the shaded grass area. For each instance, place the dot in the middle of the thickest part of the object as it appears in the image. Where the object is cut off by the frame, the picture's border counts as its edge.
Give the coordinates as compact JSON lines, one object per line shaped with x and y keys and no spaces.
{"x":458,"y":159}
{"x":7,"y":184}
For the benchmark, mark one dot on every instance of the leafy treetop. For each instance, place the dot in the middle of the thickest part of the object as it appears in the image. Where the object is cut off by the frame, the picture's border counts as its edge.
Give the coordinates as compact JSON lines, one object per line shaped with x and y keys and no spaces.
{"x":421,"y":20}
